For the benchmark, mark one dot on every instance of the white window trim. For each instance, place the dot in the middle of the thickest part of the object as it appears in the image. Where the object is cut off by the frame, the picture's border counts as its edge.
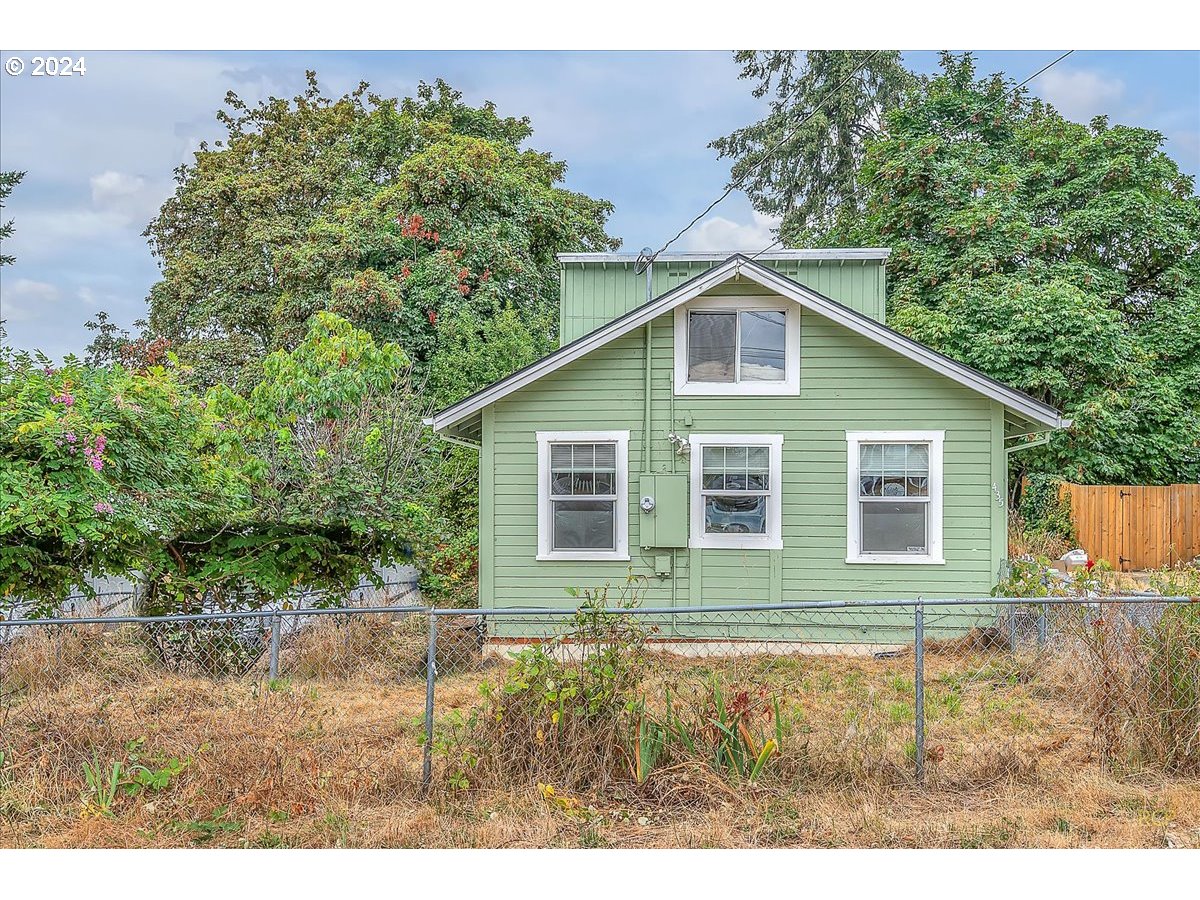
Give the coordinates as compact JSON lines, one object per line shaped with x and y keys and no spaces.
{"x":791,"y":349}
{"x":854,"y":553}
{"x":545,"y":514}
{"x":773,"y":539}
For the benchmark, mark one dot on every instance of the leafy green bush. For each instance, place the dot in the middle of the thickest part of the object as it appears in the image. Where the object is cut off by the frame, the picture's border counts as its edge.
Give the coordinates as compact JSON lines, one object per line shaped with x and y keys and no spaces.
{"x":1043,"y":511}
{"x":101,"y":471}
{"x":221,"y":502}
{"x":449,"y":569}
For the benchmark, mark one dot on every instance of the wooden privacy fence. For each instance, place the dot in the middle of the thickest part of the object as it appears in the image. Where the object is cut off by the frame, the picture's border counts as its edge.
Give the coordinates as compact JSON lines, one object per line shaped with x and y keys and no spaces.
{"x":1136,"y":526}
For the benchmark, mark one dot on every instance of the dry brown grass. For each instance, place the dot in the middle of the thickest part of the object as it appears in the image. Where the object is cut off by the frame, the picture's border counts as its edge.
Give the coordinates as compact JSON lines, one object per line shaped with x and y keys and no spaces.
{"x":1022,"y":542}
{"x":332,"y":760}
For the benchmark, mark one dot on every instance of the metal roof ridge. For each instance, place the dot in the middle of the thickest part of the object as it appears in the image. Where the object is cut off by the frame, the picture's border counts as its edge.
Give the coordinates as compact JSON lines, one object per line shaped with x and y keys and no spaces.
{"x":722,"y":255}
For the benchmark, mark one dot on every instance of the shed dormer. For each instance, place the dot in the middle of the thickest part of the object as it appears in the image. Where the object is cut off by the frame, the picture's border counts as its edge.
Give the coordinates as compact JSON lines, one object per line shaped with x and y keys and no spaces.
{"x":598,"y":287}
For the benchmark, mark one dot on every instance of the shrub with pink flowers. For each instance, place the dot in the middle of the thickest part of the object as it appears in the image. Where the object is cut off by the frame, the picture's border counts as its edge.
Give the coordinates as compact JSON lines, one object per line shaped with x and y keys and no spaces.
{"x":217,"y":501}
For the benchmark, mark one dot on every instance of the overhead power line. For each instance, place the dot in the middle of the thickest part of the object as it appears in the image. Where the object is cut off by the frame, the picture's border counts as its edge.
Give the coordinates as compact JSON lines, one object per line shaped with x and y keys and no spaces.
{"x":1016,"y":87}
{"x":767,"y":154}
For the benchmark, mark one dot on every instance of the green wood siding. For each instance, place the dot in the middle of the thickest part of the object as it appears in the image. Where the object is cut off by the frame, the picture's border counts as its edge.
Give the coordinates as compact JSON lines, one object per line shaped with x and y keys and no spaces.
{"x":593,"y":294}
{"x":846,"y":383}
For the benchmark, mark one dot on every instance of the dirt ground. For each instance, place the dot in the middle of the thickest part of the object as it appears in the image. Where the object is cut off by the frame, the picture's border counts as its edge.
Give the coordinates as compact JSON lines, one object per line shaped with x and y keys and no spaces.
{"x":335,"y":762}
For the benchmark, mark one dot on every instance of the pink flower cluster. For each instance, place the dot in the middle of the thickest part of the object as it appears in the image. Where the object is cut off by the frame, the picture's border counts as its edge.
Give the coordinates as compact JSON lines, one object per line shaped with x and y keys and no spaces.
{"x":65,"y":398}
{"x":93,"y":448}
{"x":103,"y":508}
{"x":95,"y":453}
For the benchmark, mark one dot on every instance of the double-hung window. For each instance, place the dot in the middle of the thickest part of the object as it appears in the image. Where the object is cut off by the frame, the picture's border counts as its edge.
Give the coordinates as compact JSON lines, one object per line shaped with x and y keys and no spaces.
{"x":736,"y":491}
{"x":894,"y":497}
{"x":583,"y":495}
{"x":737,"y":346}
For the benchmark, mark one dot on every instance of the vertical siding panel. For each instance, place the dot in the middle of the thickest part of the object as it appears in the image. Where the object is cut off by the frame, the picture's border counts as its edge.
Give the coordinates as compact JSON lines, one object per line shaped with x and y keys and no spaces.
{"x":487,"y":521}
{"x":695,"y":577}
{"x":776,"y":576}
{"x":592,"y":294}
{"x":999,"y":474}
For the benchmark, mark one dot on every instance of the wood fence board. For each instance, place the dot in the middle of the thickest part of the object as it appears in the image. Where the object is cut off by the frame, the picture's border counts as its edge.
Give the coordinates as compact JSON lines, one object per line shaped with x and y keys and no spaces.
{"x":1136,"y":526}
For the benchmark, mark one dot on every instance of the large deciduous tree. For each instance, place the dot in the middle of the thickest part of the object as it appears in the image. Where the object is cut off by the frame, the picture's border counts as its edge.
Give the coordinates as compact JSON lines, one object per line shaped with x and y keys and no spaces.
{"x":1061,"y":258}
{"x":807,"y":172}
{"x":404,"y":217}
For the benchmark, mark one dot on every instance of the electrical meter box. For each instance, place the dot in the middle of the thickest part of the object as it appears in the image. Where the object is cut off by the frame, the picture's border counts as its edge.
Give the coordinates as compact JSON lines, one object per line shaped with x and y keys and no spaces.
{"x":665,"y":522}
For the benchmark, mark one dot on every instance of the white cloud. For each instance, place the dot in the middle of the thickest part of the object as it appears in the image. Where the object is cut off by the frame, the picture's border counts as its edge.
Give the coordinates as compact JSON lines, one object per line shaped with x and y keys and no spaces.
{"x":23,"y":299}
{"x":126,"y":196}
{"x":1079,"y":94}
{"x":720,"y":233}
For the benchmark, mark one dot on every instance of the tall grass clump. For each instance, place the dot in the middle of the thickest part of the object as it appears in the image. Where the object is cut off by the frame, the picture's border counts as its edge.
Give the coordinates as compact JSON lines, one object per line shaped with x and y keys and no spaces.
{"x":561,"y":711}
{"x":1139,"y":682}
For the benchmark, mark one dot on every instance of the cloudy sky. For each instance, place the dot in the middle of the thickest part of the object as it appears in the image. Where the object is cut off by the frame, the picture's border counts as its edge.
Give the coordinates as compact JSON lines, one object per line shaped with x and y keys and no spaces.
{"x":99,"y":150}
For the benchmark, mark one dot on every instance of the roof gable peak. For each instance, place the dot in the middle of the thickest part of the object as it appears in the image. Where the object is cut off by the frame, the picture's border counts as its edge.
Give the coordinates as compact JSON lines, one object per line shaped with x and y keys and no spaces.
{"x":735,"y":266}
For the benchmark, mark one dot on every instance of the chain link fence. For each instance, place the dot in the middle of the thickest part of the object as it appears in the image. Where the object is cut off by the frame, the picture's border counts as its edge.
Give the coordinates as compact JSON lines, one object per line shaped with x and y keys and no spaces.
{"x":937,"y":694}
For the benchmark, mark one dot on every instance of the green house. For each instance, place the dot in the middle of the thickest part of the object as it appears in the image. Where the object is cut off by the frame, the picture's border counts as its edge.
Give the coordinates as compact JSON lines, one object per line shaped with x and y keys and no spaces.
{"x":735,"y":430}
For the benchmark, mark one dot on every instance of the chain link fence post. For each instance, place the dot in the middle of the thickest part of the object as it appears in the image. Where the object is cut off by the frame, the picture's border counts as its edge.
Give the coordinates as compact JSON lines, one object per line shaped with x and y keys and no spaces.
{"x":919,"y":688}
{"x":274,"y":667}
{"x":430,"y":677}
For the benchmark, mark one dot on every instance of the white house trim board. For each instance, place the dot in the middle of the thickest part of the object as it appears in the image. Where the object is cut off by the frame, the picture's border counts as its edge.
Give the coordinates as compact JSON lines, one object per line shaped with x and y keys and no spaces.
{"x":773,"y":539}
{"x":791,"y":382}
{"x":740,"y":266}
{"x":934,"y":554}
{"x":545,"y":549}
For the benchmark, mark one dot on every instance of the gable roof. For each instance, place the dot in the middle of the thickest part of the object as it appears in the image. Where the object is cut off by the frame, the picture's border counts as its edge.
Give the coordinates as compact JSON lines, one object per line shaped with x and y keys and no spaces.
{"x":1030,"y":407}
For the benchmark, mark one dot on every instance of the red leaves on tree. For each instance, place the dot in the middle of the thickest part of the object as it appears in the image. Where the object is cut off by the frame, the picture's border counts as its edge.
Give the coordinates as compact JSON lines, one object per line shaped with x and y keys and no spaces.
{"x":414,"y":227}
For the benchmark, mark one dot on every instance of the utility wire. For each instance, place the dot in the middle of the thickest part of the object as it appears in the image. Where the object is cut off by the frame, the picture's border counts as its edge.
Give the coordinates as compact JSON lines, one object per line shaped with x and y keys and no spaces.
{"x":955,"y":127}
{"x":733,"y":185}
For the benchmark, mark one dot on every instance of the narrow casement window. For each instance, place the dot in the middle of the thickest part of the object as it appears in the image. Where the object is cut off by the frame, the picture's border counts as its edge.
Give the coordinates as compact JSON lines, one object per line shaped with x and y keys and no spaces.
{"x":893,"y":492}
{"x":736,"y":497}
{"x":895,"y":497}
{"x":583,"y":496}
{"x":728,"y":347}
{"x":583,"y":486}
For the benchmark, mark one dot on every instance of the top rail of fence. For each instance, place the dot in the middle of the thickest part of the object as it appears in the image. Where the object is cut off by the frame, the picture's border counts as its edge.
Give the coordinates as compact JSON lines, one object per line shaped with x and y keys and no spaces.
{"x":520,"y":611}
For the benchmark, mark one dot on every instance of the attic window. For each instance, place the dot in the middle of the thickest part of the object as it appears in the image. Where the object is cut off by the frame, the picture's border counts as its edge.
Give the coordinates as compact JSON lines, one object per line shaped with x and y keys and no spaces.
{"x":737,"y":346}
